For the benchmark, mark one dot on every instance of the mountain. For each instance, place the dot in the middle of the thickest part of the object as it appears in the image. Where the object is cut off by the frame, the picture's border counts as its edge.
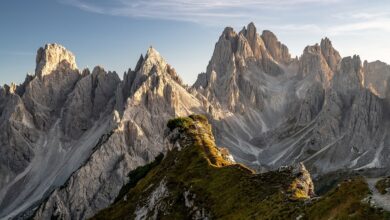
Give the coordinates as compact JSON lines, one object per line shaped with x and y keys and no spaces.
{"x":70,"y":137}
{"x":273,"y":110}
{"x":212,"y":186}
{"x":78,"y":132}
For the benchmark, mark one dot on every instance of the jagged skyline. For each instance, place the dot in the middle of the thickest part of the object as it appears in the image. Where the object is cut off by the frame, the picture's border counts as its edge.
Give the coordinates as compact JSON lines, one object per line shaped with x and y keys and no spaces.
{"x":115,"y":34}
{"x":89,"y":129}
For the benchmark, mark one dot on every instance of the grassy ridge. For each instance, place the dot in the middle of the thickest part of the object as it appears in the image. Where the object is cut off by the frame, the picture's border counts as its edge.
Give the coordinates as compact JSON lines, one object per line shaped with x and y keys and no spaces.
{"x":224,"y":190}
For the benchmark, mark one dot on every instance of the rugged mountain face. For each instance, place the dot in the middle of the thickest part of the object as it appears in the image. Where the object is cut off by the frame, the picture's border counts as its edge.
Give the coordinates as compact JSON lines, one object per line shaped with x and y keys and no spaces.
{"x":238,"y":61}
{"x":249,"y":87}
{"x":376,"y":76}
{"x":83,"y":131}
{"x":70,"y":137}
{"x":211,"y":186}
{"x":156,"y":95}
{"x":43,"y":128}
{"x":279,"y":111}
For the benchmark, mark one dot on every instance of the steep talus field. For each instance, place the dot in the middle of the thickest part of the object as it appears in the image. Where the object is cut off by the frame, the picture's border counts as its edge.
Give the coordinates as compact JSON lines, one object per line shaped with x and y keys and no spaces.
{"x":197,"y":180}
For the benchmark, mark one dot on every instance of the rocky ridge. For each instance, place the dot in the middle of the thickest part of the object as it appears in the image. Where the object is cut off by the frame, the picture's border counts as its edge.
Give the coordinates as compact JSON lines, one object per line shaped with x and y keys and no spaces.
{"x":210,"y":187}
{"x":268,"y":109}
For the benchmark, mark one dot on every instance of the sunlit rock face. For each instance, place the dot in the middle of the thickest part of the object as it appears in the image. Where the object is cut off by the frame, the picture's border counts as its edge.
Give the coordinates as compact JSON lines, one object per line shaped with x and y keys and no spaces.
{"x":239,"y":62}
{"x":376,"y":75}
{"x":196,"y":179}
{"x":322,"y":109}
{"x":54,"y":58}
{"x":89,"y":132}
{"x":71,"y":137}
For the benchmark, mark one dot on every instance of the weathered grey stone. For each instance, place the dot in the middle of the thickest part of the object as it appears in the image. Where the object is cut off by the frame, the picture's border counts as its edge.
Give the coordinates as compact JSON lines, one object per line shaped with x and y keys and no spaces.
{"x":71,"y":138}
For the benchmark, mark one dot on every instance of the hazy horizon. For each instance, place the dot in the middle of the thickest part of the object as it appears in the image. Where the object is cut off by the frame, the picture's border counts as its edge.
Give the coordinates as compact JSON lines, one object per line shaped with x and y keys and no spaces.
{"x":115,"y":34}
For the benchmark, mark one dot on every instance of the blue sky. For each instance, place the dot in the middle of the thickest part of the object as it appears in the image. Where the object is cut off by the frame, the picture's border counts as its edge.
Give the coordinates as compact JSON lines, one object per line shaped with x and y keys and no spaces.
{"x":114,"y":33}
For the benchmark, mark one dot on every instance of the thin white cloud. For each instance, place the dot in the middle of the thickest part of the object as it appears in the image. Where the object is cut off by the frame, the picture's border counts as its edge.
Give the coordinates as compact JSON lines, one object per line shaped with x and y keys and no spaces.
{"x":357,"y":22}
{"x":283,"y":15}
{"x":190,"y":10}
{"x":312,"y":28}
{"x":356,"y":27}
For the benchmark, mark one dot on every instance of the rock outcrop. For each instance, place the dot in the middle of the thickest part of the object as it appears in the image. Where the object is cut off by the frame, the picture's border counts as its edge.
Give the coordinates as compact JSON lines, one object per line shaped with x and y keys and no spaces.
{"x":302,"y":187}
{"x":54,"y":58}
{"x":277,"y":50}
{"x":195,"y":181}
{"x":376,"y":75}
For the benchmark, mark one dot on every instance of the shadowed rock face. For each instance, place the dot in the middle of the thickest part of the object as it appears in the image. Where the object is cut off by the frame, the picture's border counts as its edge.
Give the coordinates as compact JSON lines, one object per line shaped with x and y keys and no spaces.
{"x":376,"y":75}
{"x":331,"y":55}
{"x":198,"y":180}
{"x":70,"y":137}
{"x":87,"y":130}
{"x":320,"y":109}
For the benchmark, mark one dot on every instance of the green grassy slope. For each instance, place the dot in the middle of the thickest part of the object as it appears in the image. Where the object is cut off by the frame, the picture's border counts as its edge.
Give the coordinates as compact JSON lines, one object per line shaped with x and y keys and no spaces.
{"x":199,"y":181}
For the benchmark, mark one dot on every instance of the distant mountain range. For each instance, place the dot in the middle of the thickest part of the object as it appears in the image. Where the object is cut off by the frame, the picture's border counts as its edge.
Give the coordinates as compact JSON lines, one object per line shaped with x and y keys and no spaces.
{"x":70,"y":138}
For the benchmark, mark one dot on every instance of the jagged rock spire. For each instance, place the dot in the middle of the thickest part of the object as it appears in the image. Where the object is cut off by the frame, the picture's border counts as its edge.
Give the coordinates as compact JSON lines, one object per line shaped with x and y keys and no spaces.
{"x":331,"y":55}
{"x":54,"y":57}
{"x":277,"y":50}
{"x":349,"y":76}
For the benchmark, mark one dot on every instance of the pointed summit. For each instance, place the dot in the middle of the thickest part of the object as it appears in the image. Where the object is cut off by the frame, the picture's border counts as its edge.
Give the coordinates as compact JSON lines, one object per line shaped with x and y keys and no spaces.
{"x":54,"y":57}
{"x":152,"y":52}
{"x":349,"y":76}
{"x":277,"y":50}
{"x":253,"y":39}
{"x":331,"y":55}
{"x":228,"y":33}
{"x":139,"y":63}
{"x":153,"y":59}
{"x":251,"y":32}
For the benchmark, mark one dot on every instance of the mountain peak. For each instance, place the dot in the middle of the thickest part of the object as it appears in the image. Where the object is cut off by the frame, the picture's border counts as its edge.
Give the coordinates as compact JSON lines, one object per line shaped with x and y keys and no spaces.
{"x":331,"y":55}
{"x":152,"y":61}
{"x":53,"y":57}
{"x":349,"y":76}
{"x":251,"y":25}
{"x":152,"y":52}
{"x":228,"y":33}
{"x":277,"y":50}
{"x":326,"y":40}
{"x":153,"y":56}
{"x":249,"y":30}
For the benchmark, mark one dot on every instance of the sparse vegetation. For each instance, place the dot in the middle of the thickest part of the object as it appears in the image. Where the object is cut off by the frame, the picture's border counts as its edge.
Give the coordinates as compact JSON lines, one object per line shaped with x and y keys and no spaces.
{"x":345,"y":202}
{"x":230,"y":191}
{"x":137,"y":174}
{"x":297,"y":193}
{"x":183,"y":122}
{"x":383,"y":184}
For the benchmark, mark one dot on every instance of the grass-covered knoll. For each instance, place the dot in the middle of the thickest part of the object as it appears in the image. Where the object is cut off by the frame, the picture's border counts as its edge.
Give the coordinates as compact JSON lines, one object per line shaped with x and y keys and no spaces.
{"x":182,"y":122}
{"x":200,"y":181}
{"x":383,"y":184}
{"x":345,"y":202}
